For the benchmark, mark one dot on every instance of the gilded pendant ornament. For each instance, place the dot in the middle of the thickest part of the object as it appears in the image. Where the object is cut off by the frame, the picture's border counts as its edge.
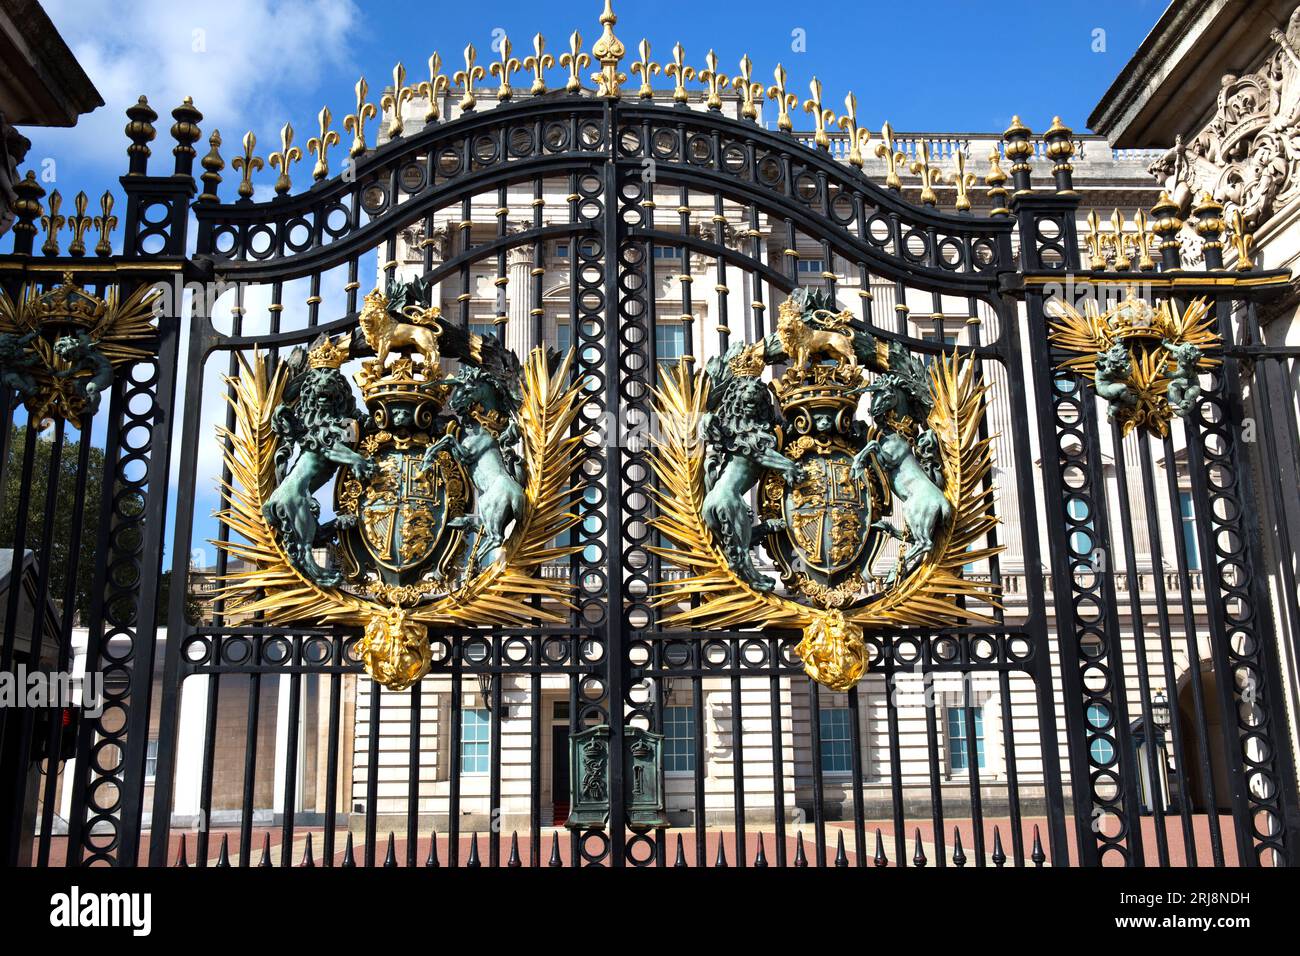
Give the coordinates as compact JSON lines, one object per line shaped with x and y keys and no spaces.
{"x":449,"y":491}
{"x":835,"y":493}
{"x":61,"y":349}
{"x":1144,"y":363}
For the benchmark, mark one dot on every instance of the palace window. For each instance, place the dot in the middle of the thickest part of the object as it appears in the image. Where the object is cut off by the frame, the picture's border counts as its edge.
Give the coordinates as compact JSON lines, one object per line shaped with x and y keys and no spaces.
{"x":667,"y":252}
{"x":1187,"y":521}
{"x":475,"y":740}
{"x":812,"y":266}
{"x":837,"y":747}
{"x":670,"y":341}
{"x":679,"y":740}
{"x":151,"y":759}
{"x":562,"y":249}
{"x":484,"y":329}
{"x":959,"y":748}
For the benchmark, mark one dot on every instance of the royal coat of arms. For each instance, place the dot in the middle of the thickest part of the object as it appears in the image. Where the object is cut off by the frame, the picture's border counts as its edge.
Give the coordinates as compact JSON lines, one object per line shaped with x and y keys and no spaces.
{"x":1144,"y":362}
{"x":61,"y":349}
{"x":835,"y":493}
{"x":449,"y":489}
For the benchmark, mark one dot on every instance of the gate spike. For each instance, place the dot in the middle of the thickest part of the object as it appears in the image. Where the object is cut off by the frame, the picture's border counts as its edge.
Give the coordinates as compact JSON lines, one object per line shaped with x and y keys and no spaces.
{"x":799,"y":858}
{"x":432,"y":859}
{"x":841,"y":859}
{"x":1037,"y":854}
{"x":223,"y":857}
{"x":880,"y":858}
{"x":347,"y":852}
{"x":390,"y":858}
{"x":760,"y":859}
{"x":307,"y":859}
{"x":473,"y":860}
{"x":918,"y":854}
{"x":181,"y":859}
{"x":958,"y":855}
{"x":721,"y":861}
{"x":514,"y":849}
{"x":266,"y":849}
{"x":999,"y":855}
{"x":681,"y":853}
{"x":555,"y":850}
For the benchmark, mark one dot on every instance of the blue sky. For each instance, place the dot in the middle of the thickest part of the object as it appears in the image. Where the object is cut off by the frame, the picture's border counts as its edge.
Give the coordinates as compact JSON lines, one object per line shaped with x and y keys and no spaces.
{"x":943,"y":65}
{"x":953,"y":65}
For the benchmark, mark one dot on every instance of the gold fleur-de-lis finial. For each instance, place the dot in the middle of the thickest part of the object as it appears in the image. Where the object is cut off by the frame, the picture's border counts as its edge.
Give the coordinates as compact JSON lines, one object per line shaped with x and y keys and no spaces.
{"x":929,"y":174}
{"x":319,"y":146}
{"x":784,"y":101}
{"x":52,"y":222}
{"x":574,"y":61}
{"x":247,"y":164}
{"x":395,"y":99}
{"x":821,"y":117}
{"x":1095,"y":243}
{"x":539,"y":62}
{"x":645,"y":68}
{"x":286,"y":156}
{"x":962,"y":180}
{"x":1241,"y":240}
{"x":502,"y":69}
{"x":1119,"y":242}
{"x":859,"y":137}
{"x":432,"y":88}
{"x":355,"y":123}
{"x":680,"y":73}
{"x":465,"y":79}
{"x":751,"y":93}
{"x":105,"y":222}
{"x":887,"y":149}
{"x":1143,"y":239}
{"x":608,"y":52}
{"x":715,"y":80}
{"x":78,"y":224}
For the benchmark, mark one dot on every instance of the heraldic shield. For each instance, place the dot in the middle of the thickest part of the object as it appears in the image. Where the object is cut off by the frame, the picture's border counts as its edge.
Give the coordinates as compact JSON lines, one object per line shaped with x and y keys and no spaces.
{"x":836,"y":493}
{"x":449,"y":490}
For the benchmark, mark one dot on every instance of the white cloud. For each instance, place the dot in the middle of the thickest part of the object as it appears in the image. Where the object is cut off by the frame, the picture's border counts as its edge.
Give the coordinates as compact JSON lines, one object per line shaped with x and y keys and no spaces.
{"x":241,"y":60}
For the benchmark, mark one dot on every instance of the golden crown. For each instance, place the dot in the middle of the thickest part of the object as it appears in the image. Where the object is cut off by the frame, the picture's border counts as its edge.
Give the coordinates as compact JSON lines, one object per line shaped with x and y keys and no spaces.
{"x":328,"y":354}
{"x":1134,"y":318}
{"x":67,"y":303}
{"x":750,"y":362}
{"x":821,"y":388}
{"x":401,"y":380}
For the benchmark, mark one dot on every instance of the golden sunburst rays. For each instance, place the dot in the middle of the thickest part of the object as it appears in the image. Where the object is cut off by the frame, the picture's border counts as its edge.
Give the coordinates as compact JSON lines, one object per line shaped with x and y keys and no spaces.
{"x":120,"y":328}
{"x":935,"y":593}
{"x":506,"y":593}
{"x":1083,"y":336}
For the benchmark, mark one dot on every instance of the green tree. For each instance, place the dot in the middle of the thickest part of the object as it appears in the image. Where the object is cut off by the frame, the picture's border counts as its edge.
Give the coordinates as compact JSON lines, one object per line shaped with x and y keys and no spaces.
{"x":193,"y":610}
{"x":63,"y":563}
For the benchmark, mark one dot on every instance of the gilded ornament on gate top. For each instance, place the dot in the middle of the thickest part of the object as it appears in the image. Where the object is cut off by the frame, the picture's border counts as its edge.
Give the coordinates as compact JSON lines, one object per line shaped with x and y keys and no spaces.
{"x":1144,"y":362}
{"x":449,"y":491}
{"x":61,"y":349}
{"x":835,"y":493}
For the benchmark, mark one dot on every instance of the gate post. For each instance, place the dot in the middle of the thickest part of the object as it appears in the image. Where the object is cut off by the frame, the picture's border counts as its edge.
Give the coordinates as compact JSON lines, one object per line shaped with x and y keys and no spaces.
{"x":131,"y":539}
{"x":1049,"y":246}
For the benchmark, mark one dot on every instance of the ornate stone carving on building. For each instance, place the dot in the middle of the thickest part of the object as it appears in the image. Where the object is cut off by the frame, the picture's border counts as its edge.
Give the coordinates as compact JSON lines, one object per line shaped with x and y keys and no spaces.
{"x":1248,"y":155}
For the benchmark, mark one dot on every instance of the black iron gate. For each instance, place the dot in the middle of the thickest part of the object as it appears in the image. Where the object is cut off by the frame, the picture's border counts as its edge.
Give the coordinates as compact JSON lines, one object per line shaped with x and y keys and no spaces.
{"x":946,"y":754}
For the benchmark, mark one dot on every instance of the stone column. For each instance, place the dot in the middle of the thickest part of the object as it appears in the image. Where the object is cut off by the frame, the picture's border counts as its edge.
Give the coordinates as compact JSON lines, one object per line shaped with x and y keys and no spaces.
{"x":519,"y":327}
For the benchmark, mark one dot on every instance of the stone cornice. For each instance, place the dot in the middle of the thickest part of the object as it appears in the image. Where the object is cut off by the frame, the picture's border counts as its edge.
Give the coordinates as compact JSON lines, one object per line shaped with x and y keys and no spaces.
{"x":1170,"y":84}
